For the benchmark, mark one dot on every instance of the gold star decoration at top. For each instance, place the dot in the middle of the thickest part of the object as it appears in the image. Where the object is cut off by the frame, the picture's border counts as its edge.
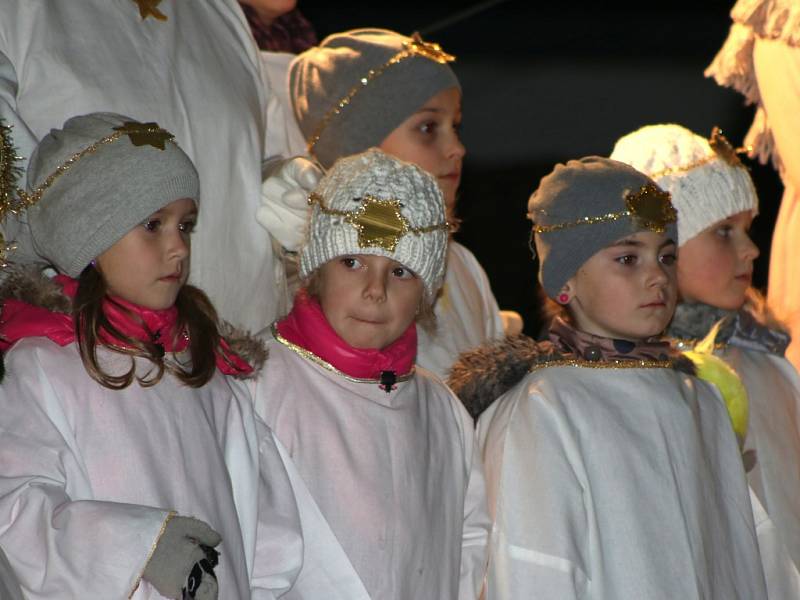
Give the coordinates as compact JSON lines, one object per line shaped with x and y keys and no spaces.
{"x":429,"y":50}
{"x":651,"y":207}
{"x":142,"y":134}
{"x":379,"y":223}
{"x":723,"y":148}
{"x":149,"y":8}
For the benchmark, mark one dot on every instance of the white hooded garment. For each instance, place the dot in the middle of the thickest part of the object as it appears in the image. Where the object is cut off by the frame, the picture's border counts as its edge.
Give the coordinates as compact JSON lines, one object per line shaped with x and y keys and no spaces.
{"x":617,"y":484}
{"x":397,"y":475}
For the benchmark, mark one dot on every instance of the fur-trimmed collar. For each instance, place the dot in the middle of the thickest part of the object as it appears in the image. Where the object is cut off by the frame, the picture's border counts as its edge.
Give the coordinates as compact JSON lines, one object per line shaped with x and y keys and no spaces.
{"x":30,"y":285}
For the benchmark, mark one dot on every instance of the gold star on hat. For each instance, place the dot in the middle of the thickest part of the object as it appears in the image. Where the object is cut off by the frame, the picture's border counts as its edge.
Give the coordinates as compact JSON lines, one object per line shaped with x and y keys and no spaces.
{"x":651,"y":207}
{"x":149,"y":8}
{"x":379,"y":223}
{"x":142,"y":134}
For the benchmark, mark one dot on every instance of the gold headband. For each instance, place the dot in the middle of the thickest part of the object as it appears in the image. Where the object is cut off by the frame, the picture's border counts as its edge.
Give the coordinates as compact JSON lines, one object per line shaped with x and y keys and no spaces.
{"x":413,"y":47}
{"x":140,"y":134}
{"x":722,"y":148}
{"x":379,"y":222}
{"x":650,"y":206}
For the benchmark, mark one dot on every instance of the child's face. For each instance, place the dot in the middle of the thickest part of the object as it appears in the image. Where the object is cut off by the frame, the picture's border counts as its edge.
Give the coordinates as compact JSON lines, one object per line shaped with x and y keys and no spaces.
{"x":150,"y":263}
{"x":369,"y":300}
{"x":429,"y":139}
{"x":716,"y":266}
{"x":627,"y":290}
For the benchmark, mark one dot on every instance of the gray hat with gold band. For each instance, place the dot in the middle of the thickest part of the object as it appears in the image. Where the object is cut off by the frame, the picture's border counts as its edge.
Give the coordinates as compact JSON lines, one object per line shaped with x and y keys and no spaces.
{"x":584,"y":206}
{"x":94,"y":180}
{"x":357,"y":86}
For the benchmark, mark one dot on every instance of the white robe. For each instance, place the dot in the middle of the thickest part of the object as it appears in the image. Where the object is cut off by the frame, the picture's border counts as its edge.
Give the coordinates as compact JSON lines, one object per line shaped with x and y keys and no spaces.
{"x":397,"y":475}
{"x":617,"y":484}
{"x":467,"y":314}
{"x":199,"y":75}
{"x":89,"y":475}
{"x":773,"y":433}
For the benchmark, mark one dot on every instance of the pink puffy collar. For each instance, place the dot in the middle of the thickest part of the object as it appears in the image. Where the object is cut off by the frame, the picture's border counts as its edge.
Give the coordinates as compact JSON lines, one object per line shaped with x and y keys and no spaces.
{"x":306,"y":327}
{"x":22,"y":320}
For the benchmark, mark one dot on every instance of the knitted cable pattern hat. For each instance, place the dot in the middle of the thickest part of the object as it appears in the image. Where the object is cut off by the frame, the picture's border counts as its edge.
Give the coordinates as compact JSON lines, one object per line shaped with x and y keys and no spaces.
{"x":707,"y":181}
{"x":95,"y":179}
{"x":357,"y":86}
{"x":373,"y":203}
{"x":584,"y":206}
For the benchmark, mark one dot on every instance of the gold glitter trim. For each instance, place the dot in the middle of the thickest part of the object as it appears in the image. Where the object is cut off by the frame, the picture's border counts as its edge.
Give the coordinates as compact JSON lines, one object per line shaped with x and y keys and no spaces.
{"x":378,"y":221}
{"x":10,"y":171}
{"x":140,"y":134}
{"x":310,"y":356}
{"x":612,"y":363}
{"x":650,"y":206}
{"x":723,"y":150}
{"x":170,"y":515}
{"x":413,"y":47}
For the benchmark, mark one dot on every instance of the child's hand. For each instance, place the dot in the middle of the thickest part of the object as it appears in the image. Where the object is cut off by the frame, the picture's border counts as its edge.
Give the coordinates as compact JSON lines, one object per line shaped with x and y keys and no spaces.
{"x":177,"y":551}
{"x":284,"y":200}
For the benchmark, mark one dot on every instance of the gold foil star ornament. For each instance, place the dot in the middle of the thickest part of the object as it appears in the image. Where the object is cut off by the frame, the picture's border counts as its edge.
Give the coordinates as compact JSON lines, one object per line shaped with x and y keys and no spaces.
{"x":429,"y":50}
{"x":379,"y":223}
{"x":651,"y":207}
{"x":149,"y":8}
{"x":142,"y":134}
{"x":723,"y":148}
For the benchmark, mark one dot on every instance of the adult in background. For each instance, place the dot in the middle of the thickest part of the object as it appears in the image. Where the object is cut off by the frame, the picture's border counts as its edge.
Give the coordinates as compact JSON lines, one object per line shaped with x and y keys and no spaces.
{"x":191,"y":66}
{"x":761,"y":59}
{"x":279,"y":26}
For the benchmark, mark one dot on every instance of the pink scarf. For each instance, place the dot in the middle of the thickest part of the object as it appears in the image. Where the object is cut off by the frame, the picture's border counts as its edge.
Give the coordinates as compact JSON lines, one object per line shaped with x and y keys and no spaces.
{"x":21,"y":320}
{"x":307,"y":327}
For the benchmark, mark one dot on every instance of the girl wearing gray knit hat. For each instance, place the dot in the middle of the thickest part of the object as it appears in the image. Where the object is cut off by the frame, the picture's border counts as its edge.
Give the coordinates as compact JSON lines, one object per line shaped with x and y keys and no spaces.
{"x":373,"y":87}
{"x":375,"y":438}
{"x":613,"y":468}
{"x":716,"y":203}
{"x":120,"y":423}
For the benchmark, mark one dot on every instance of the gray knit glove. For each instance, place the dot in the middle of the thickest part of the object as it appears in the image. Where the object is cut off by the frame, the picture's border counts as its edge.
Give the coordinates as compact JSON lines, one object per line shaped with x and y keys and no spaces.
{"x":176,"y":553}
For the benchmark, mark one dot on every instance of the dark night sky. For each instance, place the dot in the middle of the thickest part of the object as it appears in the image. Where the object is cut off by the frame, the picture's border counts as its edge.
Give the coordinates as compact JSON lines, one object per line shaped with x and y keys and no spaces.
{"x":544,"y":83}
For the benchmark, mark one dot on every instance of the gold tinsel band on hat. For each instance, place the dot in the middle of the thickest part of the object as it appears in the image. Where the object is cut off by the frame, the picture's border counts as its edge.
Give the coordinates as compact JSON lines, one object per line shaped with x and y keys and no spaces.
{"x":413,"y":47}
{"x":650,"y":207}
{"x":140,"y":134}
{"x":378,"y":221}
{"x":10,"y":172}
{"x":723,"y":150}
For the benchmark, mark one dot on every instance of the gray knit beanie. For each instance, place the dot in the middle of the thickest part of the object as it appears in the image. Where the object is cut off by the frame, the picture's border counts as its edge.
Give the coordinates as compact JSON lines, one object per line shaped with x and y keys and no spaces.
{"x":95,"y":180}
{"x":373,"y":203}
{"x":356,"y":87}
{"x":586,"y":205}
{"x":707,"y":181}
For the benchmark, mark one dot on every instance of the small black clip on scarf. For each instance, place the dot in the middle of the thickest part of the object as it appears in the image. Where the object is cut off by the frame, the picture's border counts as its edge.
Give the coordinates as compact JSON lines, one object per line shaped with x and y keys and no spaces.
{"x":388,"y":379}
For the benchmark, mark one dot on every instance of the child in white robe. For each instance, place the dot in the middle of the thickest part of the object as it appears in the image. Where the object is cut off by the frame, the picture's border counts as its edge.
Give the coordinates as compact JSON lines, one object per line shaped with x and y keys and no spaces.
{"x":130,"y":466}
{"x":611,"y":472}
{"x":716,"y":203}
{"x":385,"y":448}
{"x":374,"y":87}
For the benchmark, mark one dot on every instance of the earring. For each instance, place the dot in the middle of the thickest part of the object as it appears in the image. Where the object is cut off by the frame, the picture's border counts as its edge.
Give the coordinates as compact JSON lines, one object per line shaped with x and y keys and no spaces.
{"x":563,"y":298}
{"x":93,"y":263}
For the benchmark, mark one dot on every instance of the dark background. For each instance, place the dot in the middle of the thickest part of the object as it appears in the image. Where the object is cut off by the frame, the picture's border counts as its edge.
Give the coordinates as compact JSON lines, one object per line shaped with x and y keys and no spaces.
{"x":544,"y":83}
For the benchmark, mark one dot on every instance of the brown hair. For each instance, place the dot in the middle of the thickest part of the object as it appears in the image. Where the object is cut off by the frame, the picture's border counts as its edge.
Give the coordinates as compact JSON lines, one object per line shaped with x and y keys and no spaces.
{"x":196,"y":316}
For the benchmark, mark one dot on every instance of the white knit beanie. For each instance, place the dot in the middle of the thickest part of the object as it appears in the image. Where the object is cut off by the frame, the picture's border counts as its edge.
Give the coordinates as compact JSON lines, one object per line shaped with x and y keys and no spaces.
{"x":707,"y":181}
{"x":373,"y":203}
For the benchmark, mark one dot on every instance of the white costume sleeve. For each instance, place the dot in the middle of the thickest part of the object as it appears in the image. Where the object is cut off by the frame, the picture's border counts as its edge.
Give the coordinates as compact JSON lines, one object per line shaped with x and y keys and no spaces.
{"x":539,"y":540}
{"x":91,"y":549}
{"x":476,"y":527}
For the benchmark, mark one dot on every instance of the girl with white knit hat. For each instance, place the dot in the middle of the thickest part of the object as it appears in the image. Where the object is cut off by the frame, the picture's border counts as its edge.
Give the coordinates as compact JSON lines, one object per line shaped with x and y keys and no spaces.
{"x":374,"y":87}
{"x":716,"y":202}
{"x":386,"y":450}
